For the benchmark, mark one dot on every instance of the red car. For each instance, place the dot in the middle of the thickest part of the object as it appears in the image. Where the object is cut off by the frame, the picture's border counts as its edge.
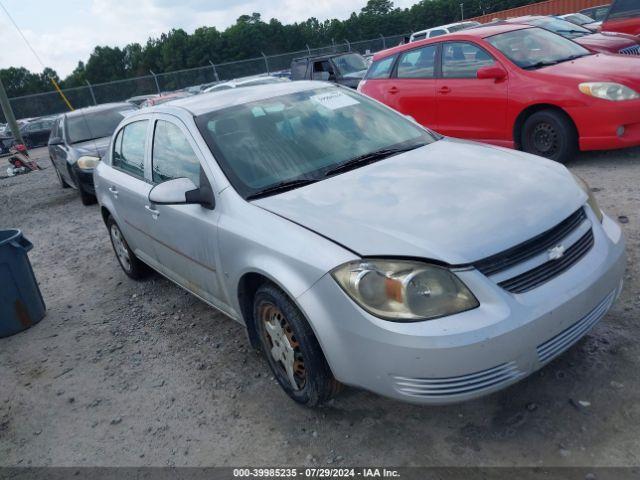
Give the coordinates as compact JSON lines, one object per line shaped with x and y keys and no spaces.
{"x":513,"y":86}
{"x":624,"y":17}
{"x":605,"y":42}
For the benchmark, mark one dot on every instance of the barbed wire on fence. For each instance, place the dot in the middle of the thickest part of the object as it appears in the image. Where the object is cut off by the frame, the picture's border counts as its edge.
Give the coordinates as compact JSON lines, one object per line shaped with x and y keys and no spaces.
{"x":50,"y":103}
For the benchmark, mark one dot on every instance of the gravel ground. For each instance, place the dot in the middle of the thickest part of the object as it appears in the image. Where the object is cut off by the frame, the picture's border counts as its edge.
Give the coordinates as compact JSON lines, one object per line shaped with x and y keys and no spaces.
{"x":121,"y":373}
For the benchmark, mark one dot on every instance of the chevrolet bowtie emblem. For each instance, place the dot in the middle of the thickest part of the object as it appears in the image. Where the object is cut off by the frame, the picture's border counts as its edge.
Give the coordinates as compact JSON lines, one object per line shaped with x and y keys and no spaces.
{"x":556,"y":252}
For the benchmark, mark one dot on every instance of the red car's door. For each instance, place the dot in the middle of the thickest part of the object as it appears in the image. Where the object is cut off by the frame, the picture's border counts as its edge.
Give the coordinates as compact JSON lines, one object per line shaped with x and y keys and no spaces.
{"x":469,"y":107}
{"x":412,"y":89}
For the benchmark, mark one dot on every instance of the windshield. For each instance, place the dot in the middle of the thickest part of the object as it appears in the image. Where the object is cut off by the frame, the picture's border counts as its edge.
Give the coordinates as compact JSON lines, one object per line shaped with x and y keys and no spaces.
{"x":90,"y":125}
{"x":579,"y":19}
{"x":532,"y":48}
{"x":302,"y":136}
{"x":350,"y":63}
{"x":561,"y":27}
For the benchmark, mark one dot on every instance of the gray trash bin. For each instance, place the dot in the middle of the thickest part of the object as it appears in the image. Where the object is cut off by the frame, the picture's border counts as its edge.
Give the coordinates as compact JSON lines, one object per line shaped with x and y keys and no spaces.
{"x":21,"y":303}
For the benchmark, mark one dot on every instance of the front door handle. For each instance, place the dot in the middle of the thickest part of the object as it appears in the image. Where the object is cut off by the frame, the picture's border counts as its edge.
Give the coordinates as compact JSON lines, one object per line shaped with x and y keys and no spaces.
{"x":393,"y":90}
{"x":444,"y":90}
{"x":114,"y":191}
{"x":154,"y":213}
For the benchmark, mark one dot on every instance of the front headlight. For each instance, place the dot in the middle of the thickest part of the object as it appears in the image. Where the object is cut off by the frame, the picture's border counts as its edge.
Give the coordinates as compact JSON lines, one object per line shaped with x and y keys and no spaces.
{"x":591,"y":197}
{"x":608,"y":91}
{"x":401,"y":290}
{"x":88,"y":162}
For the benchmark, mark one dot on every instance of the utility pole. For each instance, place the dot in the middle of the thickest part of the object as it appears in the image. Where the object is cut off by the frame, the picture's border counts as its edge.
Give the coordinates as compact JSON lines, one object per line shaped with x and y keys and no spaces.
{"x":8,"y":114}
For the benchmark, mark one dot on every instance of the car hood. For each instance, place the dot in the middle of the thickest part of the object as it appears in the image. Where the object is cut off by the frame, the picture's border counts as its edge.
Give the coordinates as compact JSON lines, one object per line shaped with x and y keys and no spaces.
{"x":597,"y":68}
{"x":607,"y":41}
{"x":452,"y":201}
{"x":92,"y":147}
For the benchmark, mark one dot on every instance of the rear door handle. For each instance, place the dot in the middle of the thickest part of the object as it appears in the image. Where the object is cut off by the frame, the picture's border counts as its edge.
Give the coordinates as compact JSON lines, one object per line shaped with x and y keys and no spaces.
{"x":394,"y":90}
{"x":114,"y":191}
{"x":444,"y":90}
{"x":154,"y":213}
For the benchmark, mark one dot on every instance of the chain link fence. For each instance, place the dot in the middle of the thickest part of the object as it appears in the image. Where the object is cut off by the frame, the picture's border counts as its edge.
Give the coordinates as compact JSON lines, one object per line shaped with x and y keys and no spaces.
{"x":50,"y":103}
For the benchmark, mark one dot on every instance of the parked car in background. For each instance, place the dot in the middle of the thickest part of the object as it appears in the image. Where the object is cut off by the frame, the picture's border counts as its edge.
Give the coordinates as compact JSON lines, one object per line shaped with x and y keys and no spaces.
{"x":442,"y":30}
{"x":78,"y":141}
{"x":427,"y":269}
{"x":597,"y":13}
{"x":343,"y":68}
{"x":623,"y":17}
{"x":582,"y":21}
{"x":605,"y":42}
{"x":140,"y":99}
{"x":245,"y":82}
{"x":34,"y":132}
{"x":514,"y":86}
{"x":165,"y":97}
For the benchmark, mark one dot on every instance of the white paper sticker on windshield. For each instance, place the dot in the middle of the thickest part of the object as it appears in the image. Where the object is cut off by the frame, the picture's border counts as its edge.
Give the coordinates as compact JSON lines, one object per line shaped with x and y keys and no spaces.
{"x":334,"y":100}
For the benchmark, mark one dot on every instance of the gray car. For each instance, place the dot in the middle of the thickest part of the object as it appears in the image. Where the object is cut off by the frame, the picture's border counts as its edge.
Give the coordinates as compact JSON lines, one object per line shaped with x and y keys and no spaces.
{"x":358,"y":247}
{"x":78,"y":141}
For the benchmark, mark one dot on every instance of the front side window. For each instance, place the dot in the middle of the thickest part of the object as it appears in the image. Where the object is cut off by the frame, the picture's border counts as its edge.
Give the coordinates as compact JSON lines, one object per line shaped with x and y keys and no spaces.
{"x":532,"y":48}
{"x":418,"y":63}
{"x":381,"y":68}
{"x":350,"y":64}
{"x":463,"y":60}
{"x":129,"y":147}
{"x":172,"y":155}
{"x":84,"y":126}
{"x":302,"y":136}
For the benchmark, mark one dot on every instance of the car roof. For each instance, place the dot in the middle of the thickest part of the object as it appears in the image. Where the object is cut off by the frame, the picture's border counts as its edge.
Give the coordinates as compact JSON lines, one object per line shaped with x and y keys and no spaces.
{"x":482,"y":31}
{"x":448,"y":25}
{"x":212,"y":101}
{"x":97,"y":108}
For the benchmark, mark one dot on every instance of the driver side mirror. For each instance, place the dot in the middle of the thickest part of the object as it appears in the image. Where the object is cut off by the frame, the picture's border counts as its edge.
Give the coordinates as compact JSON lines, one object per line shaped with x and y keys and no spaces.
{"x":495,"y":72}
{"x":181,"y":191}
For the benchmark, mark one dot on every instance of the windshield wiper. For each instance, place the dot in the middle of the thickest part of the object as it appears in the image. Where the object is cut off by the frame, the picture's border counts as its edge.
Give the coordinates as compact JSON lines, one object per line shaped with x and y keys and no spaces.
{"x":554,"y":62}
{"x":368,"y":158}
{"x":281,"y":187}
{"x":567,"y":30}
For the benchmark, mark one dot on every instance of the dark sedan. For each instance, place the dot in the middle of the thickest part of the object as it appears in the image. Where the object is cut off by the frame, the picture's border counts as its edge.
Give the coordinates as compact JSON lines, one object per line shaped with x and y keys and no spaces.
{"x":79,"y":140}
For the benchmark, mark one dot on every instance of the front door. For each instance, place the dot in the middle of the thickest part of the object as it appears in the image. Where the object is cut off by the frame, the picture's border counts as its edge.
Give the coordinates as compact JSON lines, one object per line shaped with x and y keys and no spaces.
{"x":185,"y":235}
{"x":469,"y":107}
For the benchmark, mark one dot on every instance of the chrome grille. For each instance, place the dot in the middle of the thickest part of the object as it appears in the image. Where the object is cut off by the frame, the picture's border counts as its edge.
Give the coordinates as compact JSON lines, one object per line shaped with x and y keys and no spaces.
{"x":504,"y":260}
{"x":632,"y":50}
{"x":562,"y":341}
{"x":461,"y":385}
{"x":541,"y":274}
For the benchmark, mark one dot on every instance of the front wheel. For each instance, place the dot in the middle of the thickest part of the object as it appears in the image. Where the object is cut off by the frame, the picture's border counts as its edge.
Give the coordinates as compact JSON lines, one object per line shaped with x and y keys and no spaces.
{"x":550,"y":134}
{"x":291,"y":348}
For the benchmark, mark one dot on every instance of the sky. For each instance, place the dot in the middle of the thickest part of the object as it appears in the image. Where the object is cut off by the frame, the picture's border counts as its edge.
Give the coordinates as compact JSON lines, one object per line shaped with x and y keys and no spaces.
{"x":63,"y":32}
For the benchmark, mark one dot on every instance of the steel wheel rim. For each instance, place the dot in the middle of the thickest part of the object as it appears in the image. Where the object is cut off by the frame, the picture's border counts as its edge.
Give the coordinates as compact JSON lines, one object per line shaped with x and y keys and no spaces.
{"x":545,"y":138}
{"x":284,"y":348}
{"x":121,"y":249}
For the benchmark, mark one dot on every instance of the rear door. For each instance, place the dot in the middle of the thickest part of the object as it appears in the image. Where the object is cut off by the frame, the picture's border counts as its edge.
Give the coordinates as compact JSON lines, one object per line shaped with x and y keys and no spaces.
{"x":469,"y":107}
{"x":412,"y":88}
{"x":186,"y":236}
{"x":128,"y":189}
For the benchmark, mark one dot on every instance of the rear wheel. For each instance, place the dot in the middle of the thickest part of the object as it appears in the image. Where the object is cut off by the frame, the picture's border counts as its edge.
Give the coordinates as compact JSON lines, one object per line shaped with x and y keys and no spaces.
{"x":550,"y":134}
{"x":131,"y":265}
{"x":291,"y":348}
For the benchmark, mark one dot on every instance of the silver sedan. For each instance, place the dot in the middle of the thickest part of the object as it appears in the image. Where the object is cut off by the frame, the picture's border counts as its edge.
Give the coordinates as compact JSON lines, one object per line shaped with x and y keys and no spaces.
{"x":356,"y":246}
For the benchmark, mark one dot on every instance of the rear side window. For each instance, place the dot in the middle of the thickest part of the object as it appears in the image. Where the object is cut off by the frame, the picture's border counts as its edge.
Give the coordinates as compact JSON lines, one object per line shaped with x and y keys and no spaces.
{"x":172,"y":155}
{"x":419,"y":36}
{"x":128,"y":151}
{"x":463,"y":60}
{"x":437,"y":33}
{"x":418,"y":63}
{"x":624,"y":8}
{"x":381,"y":68}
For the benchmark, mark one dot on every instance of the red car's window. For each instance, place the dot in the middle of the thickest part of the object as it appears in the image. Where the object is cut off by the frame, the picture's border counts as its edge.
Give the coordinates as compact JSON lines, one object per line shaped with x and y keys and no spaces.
{"x":624,"y":8}
{"x":463,"y":60}
{"x":418,"y":63}
{"x":381,"y":68}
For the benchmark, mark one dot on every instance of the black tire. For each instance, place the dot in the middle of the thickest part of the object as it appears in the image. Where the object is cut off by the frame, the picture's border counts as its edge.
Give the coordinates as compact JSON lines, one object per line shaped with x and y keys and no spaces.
{"x":63,"y":182}
{"x":311,"y":373}
{"x":550,"y":134}
{"x":134,"y":268}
